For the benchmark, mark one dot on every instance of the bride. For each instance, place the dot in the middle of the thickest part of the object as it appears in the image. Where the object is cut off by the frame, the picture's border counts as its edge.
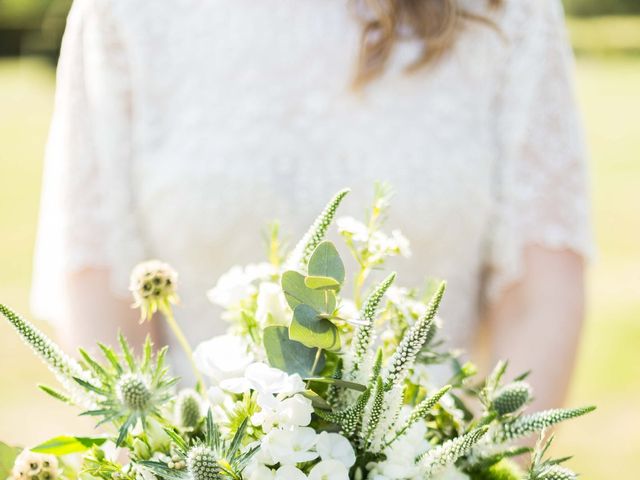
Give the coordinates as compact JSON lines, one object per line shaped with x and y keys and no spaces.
{"x":181,"y":126}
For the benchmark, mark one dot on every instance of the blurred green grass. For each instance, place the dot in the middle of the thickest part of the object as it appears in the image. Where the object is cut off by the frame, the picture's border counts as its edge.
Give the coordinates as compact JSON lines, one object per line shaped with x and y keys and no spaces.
{"x":605,"y":444}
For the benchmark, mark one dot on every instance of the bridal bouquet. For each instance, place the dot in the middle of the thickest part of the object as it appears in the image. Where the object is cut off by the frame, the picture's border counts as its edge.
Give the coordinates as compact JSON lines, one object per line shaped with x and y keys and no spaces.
{"x":306,"y":383}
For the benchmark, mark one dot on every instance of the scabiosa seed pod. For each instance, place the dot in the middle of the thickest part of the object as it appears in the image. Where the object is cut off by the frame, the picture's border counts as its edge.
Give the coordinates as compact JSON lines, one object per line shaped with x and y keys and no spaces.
{"x":153,"y":284}
{"x":133,"y":392}
{"x":557,"y":472}
{"x":34,"y":466}
{"x":188,"y":409}
{"x":202,"y":464}
{"x":511,"y":397}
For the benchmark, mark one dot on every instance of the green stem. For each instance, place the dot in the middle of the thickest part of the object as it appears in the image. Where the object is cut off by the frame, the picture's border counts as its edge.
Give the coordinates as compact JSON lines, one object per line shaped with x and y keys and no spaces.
{"x":184,"y":343}
{"x":316,"y":361}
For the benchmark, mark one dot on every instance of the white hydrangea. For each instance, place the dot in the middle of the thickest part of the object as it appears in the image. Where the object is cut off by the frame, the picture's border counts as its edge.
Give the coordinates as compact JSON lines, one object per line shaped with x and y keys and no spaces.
{"x":401,"y":455}
{"x":329,"y":470}
{"x":239,"y":283}
{"x":223,"y":357}
{"x":272,"y":307}
{"x":289,"y":447}
{"x":333,"y":446}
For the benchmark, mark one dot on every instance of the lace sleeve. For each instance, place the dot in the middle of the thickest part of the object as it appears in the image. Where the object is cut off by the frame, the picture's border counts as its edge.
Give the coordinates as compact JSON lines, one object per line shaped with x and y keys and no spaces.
{"x":85,"y":214}
{"x":542,"y":194}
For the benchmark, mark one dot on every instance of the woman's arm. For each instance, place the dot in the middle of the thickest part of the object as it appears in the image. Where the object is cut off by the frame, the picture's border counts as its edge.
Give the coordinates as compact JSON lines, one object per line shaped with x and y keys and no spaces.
{"x":93,"y":314}
{"x":536,"y":322}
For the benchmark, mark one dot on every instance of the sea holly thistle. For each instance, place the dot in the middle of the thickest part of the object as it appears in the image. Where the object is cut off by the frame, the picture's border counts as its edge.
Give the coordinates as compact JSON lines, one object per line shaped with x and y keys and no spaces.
{"x":211,"y":459}
{"x":128,"y":389}
{"x":550,"y":469}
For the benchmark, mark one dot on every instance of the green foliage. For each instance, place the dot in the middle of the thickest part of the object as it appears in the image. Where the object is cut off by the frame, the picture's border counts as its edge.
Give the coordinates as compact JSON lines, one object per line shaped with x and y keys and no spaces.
{"x":316,"y":233}
{"x":503,"y":470}
{"x":446,"y":454}
{"x":313,"y":331}
{"x":325,"y":261}
{"x":64,"y":445}
{"x":511,"y":397}
{"x":536,"y":422}
{"x":289,"y":355}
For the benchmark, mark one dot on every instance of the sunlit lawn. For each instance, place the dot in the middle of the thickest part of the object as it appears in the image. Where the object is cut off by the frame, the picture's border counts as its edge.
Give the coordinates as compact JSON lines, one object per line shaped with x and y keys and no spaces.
{"x":606,"y":445}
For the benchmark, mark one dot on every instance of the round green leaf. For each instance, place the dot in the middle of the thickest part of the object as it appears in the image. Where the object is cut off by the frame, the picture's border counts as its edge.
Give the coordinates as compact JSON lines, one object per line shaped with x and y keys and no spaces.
{"x":289,"y":355}
{"x":325,"y":261}
{"x":308,"y":328}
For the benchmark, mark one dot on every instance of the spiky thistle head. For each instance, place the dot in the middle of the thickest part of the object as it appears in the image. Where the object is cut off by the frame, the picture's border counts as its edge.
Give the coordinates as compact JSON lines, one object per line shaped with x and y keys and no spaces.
{"x":202,"y":463}
{"x":211,"y":459}
{"x":153,"y":285}
{"x":188,"y":409}
{"x":442,"y":456}
{"x":128,"y":389}
{"x":512,"y":397}
{"x":300,"y":254}
{"x":555,"y":472}
{"x":63,"y":367}
{"x":536,"y":422}
{"x":405,"y":355}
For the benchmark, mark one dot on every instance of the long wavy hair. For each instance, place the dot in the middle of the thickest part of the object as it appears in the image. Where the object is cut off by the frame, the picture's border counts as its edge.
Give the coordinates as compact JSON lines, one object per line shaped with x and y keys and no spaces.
{"x":435,"y":23}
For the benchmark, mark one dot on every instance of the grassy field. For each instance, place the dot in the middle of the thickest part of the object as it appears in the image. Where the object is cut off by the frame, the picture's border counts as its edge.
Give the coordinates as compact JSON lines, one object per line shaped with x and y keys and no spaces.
{"x":606,"y":445}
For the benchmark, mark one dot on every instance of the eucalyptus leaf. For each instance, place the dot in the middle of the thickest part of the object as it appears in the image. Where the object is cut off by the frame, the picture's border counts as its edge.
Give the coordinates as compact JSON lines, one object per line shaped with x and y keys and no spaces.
{"x":64,"y":445}
{"x":322,"y":283}
{"x":308,"y":328}
{"x":297,"y":293}
{"x":289,"y":355}
{"x":325,"y":261}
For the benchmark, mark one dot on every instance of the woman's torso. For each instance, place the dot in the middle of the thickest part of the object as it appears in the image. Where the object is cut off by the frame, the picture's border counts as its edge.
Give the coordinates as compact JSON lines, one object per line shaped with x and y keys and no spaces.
{"x":242,"y":113}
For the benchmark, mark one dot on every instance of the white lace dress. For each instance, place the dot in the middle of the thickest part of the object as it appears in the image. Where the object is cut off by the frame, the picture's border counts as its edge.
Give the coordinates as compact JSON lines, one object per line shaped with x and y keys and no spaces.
{"x":182,"y":126}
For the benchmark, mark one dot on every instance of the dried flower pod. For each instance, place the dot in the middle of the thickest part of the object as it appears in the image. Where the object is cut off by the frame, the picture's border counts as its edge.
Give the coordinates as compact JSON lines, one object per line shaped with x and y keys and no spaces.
{"x":153,"y":284}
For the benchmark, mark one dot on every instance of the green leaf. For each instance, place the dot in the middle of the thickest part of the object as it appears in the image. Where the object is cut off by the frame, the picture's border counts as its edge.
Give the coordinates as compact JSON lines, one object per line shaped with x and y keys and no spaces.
{"x":296,"y":293}
{"x":316,"y":400}
{"x":325,"y":261}
{"x":338,"y":383}
{"x":322,"y":283}
{"x":308,"y":328}
{"x":64,"y":445}
{"x":163,"y":471}
{"x":289,"y":355}
{"x":7,"y":458}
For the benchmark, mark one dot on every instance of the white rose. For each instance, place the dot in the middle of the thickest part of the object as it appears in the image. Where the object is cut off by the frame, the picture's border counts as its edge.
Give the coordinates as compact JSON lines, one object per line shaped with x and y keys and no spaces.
{"x":272,"y":307}
{"x":222,"y":357}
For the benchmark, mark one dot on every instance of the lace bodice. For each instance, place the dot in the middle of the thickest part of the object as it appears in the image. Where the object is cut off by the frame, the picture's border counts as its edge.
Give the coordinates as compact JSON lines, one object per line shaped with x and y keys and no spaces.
{"x":182,"y":126}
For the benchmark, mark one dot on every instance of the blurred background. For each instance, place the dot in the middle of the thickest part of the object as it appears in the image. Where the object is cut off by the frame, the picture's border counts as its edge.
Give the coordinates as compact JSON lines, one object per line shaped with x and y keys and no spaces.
{"x":606,"y":39}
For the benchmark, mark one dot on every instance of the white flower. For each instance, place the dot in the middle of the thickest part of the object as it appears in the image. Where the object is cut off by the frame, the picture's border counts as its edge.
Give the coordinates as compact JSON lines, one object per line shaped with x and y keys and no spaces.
{"x":265,"y":380}
{"x":259,"y":472}
{"x":238,"y":284}
{"x":401,"y":455}
{"x":289,"y":472}
{"x":291,"y":446}
{"x":333,"y":446}
{"x":329,"y":470}
{"x":400,"y":243}
{"x":222,"y":357}
{"x":272,"y":307}
{"x":288,"y":413}
{"x":357,"y":230}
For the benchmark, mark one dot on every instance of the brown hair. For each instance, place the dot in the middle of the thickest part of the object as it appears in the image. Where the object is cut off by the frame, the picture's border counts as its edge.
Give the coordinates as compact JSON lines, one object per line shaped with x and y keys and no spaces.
{"x":435,"y":23}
